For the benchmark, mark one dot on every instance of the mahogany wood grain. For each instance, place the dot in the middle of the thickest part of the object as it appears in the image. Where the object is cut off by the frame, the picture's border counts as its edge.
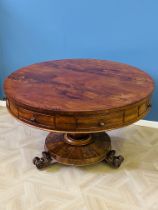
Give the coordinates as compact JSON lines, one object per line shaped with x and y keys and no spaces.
{"x":78,"y":155}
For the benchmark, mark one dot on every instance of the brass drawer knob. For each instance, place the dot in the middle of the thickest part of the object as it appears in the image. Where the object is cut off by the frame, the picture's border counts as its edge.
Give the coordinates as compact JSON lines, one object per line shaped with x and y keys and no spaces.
{"x":101,"y":123}
{"x":33,"y":119}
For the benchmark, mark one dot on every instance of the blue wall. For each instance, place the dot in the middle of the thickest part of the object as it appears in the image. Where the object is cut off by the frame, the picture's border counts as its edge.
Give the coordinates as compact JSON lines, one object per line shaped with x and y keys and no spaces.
{"x":121,"y":30}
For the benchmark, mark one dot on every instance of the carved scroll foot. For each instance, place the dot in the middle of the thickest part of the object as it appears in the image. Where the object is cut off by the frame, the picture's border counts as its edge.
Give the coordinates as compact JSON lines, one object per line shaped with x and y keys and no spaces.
{"x":43,"y":162}
{"x":113,"y":160}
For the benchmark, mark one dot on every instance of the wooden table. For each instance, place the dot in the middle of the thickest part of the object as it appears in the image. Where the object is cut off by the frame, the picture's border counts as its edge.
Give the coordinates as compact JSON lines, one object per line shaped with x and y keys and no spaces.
{"x":77,"y":100}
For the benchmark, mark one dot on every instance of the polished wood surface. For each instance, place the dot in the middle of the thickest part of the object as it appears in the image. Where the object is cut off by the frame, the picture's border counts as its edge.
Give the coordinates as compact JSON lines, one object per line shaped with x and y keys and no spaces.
{"x":78,"y":86}
{"x":79,"y":95}
{"x":68,"y":154}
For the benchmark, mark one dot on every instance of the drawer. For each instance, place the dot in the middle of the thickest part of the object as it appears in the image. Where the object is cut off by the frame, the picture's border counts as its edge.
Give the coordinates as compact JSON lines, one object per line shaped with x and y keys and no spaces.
{"x":36,"y":118}
{"x":65,"y":123}
{"x":131,"y":114}
{"x":100,"y":122}
{"x":25,"y":114}
{"x":142,"y":108}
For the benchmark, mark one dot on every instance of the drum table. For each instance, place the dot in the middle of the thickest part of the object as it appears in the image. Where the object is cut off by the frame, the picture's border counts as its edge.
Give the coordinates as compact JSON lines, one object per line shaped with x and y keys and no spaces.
{"x":77,"y":100}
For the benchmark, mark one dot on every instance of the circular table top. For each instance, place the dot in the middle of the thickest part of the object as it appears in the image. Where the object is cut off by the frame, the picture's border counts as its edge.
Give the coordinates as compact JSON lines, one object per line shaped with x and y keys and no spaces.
{"x":78,"y":85}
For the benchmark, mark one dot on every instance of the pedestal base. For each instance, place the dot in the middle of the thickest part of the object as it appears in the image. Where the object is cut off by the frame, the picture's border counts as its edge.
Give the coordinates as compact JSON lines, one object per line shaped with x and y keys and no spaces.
{"x":78,"y":149}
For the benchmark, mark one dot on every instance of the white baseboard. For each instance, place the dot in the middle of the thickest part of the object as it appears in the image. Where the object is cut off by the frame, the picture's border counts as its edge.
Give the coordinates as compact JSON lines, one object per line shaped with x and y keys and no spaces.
{"x":2,"y":103}
{"x":146,"y":123}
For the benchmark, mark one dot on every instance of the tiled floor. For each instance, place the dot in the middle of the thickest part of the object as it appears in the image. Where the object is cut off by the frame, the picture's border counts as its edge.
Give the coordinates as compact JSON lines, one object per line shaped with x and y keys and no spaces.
{"x":131,"y":187}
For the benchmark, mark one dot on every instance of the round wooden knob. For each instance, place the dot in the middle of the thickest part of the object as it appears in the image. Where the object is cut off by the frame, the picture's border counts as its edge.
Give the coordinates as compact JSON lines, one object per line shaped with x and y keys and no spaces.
{"x":33,"y":119}
{"x":101,"y":123}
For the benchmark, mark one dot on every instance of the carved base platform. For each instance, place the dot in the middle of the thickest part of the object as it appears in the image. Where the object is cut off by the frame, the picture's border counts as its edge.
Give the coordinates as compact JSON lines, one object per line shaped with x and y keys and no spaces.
{"x":78,"y":149}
